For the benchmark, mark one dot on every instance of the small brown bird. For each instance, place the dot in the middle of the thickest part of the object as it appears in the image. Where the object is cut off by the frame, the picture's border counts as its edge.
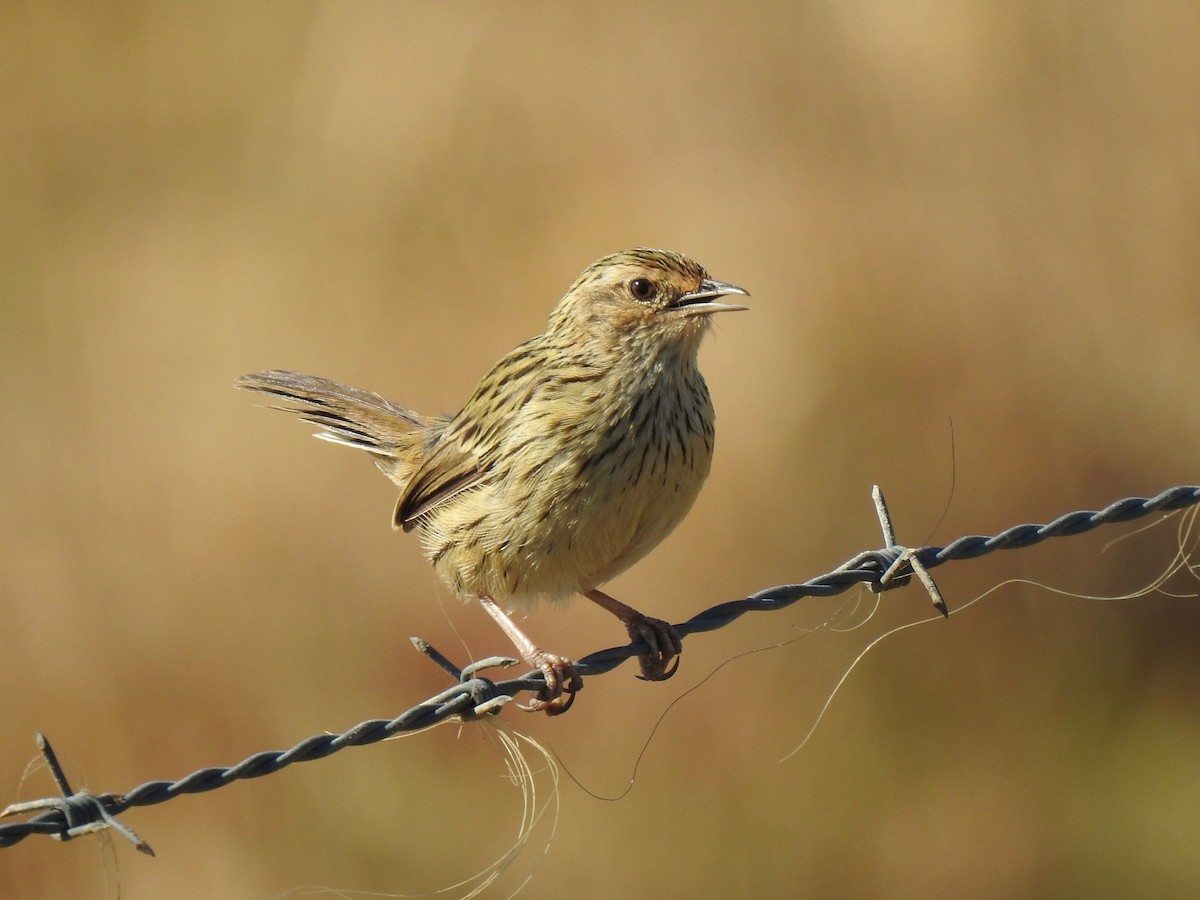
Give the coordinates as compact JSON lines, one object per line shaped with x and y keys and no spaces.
{"x":579,"y":452}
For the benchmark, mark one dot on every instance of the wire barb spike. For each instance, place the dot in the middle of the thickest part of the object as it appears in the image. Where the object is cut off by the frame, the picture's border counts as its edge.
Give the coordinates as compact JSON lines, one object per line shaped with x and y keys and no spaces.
{"x":892,"y":576}
{"x":82,"y":811}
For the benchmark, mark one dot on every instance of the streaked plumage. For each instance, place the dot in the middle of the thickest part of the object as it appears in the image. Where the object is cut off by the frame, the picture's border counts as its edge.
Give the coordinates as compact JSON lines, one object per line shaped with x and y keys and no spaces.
{"x":576,"y":455}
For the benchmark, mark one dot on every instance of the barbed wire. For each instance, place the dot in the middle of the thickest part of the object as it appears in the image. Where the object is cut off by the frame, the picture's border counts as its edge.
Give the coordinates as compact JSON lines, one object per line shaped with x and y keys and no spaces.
{"x":81,"y":812}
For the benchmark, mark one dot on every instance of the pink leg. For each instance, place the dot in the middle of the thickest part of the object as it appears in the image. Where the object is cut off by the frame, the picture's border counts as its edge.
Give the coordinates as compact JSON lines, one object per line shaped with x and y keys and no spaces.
{"x":562,"y":681}
{"x":661,"y":637}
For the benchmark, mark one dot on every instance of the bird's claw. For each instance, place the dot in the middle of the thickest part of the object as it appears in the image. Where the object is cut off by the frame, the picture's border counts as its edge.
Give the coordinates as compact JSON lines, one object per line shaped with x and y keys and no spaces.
{"x":656,"y":671}
{"x":562,"y":683}
{"x":661,"y":660}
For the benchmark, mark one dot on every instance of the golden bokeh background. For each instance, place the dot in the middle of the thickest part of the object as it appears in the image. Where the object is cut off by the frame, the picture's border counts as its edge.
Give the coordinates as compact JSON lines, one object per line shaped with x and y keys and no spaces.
{"x":985,"y":212}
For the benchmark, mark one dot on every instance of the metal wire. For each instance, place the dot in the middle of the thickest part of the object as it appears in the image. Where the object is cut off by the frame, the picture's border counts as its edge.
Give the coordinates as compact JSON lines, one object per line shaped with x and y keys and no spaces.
{"x":82,"y":812}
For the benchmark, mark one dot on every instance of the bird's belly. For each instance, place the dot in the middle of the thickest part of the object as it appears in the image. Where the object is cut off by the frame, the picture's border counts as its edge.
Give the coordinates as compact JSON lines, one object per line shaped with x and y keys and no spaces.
{"x":571,"y":525}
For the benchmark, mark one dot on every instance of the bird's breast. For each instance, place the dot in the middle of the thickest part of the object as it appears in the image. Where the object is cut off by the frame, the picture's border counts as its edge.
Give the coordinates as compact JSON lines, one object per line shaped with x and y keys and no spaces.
{"x":622,"y":481}
{"x":589,"y":481}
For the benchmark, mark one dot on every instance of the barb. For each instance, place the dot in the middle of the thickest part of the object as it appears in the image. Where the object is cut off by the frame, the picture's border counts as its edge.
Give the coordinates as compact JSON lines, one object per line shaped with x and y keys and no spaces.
{"x":473,"y":697}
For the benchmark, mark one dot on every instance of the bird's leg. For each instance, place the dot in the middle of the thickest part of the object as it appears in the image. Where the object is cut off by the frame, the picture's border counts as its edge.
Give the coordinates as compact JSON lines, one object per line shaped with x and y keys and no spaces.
{"x":562,"y":681}
{"x":661,"y":637}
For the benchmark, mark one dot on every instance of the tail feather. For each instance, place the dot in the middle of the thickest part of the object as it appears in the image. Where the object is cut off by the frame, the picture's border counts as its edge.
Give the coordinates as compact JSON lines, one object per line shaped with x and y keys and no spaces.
{"x":346,"y":415}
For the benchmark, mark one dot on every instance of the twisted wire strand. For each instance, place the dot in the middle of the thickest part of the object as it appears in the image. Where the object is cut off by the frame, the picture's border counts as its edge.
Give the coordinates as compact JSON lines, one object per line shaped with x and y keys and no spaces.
{"x":82,"y":812}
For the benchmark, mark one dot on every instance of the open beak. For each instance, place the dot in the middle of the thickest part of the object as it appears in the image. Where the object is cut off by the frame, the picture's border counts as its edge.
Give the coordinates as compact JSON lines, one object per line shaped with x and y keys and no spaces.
{"x":703,"y":300}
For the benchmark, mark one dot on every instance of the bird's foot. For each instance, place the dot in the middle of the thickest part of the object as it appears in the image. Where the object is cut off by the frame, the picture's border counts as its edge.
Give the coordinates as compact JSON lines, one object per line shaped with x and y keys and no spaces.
{"x":562,"y":682}
{"x":562,"y":679}
{"x":664,"y":644}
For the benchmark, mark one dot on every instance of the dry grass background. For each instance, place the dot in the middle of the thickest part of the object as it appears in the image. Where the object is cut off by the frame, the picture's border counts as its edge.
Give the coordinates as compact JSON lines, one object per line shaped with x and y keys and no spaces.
{"x":988,"y":211}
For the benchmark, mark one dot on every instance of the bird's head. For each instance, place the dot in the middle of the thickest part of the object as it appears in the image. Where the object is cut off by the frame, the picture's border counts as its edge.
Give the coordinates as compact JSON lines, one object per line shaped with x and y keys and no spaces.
{"x":654,"y":295}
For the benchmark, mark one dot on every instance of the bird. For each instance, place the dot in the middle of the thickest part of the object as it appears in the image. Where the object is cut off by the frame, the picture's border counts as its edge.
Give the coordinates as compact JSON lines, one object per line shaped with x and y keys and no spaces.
{"x":576,"y":455}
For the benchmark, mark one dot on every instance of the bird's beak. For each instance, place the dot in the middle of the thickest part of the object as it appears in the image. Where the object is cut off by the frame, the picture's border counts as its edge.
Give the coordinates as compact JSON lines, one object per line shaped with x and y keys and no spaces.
{"x":702,"y":300}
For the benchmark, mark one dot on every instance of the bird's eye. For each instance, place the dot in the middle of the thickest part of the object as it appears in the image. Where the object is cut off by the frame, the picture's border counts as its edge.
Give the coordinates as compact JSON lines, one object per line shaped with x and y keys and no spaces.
{"x":642,"y":288}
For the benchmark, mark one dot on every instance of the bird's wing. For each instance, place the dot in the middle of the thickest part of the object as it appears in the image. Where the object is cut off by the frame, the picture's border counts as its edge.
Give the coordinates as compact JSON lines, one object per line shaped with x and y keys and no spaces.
{"x":467,"y":453}
{"x":451,"y":472}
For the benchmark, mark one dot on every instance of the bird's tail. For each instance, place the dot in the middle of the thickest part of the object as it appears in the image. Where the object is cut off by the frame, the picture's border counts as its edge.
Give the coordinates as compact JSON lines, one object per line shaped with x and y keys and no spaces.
{"x":393,"y":434}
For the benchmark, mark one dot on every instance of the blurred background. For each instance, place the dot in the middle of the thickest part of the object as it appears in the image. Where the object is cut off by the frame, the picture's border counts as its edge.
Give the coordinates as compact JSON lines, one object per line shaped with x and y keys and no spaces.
{"x":984,"y":213}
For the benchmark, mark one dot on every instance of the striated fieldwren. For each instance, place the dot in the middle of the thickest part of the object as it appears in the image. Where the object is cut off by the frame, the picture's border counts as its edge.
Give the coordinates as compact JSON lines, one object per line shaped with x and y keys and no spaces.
{"x":580,"y":451}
